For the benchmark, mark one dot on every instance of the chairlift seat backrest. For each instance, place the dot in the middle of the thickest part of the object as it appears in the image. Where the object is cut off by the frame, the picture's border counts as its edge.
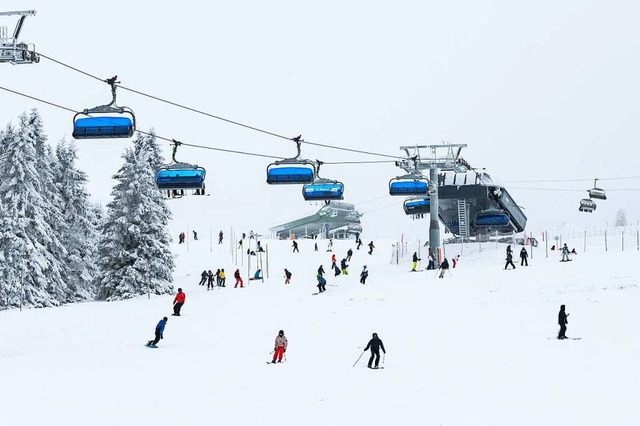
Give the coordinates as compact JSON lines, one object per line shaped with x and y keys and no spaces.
{"x":408,"y":187}
{"x":489,"y":218}
{"x":297,"y":174}
{"x":323,"y":191}
{"x":417,"y":206}
{"x":103,"y":127}
{"x":181,"y":177}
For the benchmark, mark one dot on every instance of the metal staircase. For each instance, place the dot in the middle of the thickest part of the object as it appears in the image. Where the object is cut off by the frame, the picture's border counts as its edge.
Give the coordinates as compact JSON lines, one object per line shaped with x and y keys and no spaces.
{"x":463,"y":222}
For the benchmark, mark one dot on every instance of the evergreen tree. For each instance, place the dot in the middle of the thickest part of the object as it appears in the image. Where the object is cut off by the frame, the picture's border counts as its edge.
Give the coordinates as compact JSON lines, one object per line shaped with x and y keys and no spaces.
{"x":148,"y":145}
{"x":27,"y":236}
{"x":134,"y":248}
{"x":82,"y":237}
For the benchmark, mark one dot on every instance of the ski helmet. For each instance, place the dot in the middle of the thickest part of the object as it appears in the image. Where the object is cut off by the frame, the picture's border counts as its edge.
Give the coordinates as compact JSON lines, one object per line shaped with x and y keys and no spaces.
{"x":281,"y":333}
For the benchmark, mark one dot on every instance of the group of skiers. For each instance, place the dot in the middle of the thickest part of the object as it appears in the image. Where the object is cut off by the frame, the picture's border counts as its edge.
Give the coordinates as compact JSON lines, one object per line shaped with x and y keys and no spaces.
{"x":208,"y":278}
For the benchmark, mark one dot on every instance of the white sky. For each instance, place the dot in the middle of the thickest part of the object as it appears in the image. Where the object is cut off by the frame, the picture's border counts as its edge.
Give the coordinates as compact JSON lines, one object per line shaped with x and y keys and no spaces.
{"x":545,"y":90}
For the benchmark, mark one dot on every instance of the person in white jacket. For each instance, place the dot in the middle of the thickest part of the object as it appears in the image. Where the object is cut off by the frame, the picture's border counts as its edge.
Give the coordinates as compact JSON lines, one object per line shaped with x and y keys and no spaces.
{"x":280,"y":347}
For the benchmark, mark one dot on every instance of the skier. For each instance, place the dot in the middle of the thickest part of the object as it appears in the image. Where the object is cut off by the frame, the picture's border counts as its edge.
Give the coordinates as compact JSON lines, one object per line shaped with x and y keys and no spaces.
{"x":562,"y":320}
{"x":375,"y":344}
{"x":565,"y":253}
{"x":344,"y":266}
{"x":280,"y":347}
{"x":321,"y":282}
{"x":321,"y":271}
{"x":444,"y":266}
{"x":315,"y":247}
{"x":223,"y":278}
{"x":349,"y":254}
{"x":337,"y":271}
{"x":509,"y":251}
{"x":203,"y":277}
{"x":287,"y":276}
{"x":210,"y":280}
{"x":240,"y":245}
{"x":259,"y":247}
{"x":523,"y":257}
{"x":159,"y":333}
{"x":295,"y":247}
{"x":509,"y":261}
{"x":333,"y":261}
{"x":364,"y":274}
{"x":195,"y":236}
{"x":180,"y":238}
{"x":330,"y":245}
{"x":454,"y":261}
{"x":238,"y":278}
{"x":359,"y":243}
{"x":217,"y":277}
{"x":220,"y":236}
{"x":371,"y":247}
{"x":432,"y":261}
{"x":415,"y":260}
{"x":178,"y":301}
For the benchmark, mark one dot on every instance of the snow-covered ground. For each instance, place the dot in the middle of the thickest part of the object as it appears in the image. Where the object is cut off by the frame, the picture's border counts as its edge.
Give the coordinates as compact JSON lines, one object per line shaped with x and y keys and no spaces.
{"x":475,"y":348}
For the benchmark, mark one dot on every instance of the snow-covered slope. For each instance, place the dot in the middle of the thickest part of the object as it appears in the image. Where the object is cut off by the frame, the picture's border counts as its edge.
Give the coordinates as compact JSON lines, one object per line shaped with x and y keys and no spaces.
{"x":475,"y":348}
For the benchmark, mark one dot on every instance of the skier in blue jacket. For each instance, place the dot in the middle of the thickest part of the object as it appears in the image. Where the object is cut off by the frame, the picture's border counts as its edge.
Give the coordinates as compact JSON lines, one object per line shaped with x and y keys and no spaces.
{"x":159,"y":333}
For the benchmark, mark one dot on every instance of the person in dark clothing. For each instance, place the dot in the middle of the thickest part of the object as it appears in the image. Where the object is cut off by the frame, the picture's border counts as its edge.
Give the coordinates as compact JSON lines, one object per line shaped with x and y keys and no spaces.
{"x":364,"y":274}
{"x":287,"y":276}
{"x":371,"y":247}
{"x":562,"y":320}
{"x":210,"y":280}
{"x":321,"y":283}
{"x":195,"y":236}
{"x":203,"y":277}
{"x":178,"y":301}
{"x":315,"y":247}
{"x":349,"y":254}
{"x":259,"y":247}
{"x":565,"y":253}
{"x":509,"y":261}
{"x":321,"y":271}
{"x":238,"y":278}
{"x":509,"y":251}
{"x":444,"y":267}
{"x":432,"y":261}
{"x":295,"y":247}
{"x":375,"y":344}
{"x":337,"y":271}
{"x":344,"y":267}
{"x":220,"y":237}
{"x":159,"y":333}
{"x":523,"y":257}
{"x":358,"y":244}
{"x":415,"y":259}
{"x":217,"y":277}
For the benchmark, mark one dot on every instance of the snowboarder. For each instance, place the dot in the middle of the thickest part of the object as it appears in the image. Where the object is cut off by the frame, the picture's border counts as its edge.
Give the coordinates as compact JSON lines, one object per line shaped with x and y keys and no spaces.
{"x":562,"y":320}
{"x":238,"y":278}
{"x":178,"y":301}
{"x":321,"y":271}
{"x":287,"y":276}
{"x":371,"y":247}
{"x":333,"y":261}
{"x":195,"y":236}
{"x":444,"y":267}
{"x":321,"y":283}
{"x":565,"y":253}
{"x":295,"y":247}
{"x":220,"y":237}
{"x":349,"y":254}
{"x":159,"y":333}
{"x":223,"y":278}
{"x":415,"y":261}
{"x":375,"y":344}
{"x":210,"y":279}
{"x":344,"y":267}
{"x":523,"y":257}
{"x":509,"y":261}
{"x":364,"y":274}
{"x":203,"y":277}
{"x":359,"y":243}
{"x":257,"y":275}
{"x":280,"y":347}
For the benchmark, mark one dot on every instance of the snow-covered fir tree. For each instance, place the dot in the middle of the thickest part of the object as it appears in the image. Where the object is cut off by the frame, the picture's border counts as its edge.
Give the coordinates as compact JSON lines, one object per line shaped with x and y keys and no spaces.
{"x":79,"y":217}
{"x":134,"y":248}
{"x":27,"y":238}
{"x":149,"y":145}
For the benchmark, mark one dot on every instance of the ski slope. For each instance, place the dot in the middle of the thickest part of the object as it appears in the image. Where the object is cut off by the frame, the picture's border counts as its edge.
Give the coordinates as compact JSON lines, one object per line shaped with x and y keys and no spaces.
{"x":474,"y":348}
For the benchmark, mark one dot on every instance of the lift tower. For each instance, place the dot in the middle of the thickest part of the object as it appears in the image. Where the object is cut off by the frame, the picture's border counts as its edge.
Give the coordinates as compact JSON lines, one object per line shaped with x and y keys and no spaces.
{"x":445,"y":157}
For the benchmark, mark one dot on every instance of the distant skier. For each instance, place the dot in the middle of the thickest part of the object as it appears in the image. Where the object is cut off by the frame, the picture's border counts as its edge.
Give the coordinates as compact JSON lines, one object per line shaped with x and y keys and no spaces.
{"x":509,"y":251}
{"x":336,"y":271}
{"x":333,"y":261}
{"x":415,"y":259}
{"x":321,"y":283}
{"x":217,"y":277}
{"x":509,"y":261}
{"x":321,"y":271}
{"x":375,"y":344}
{"x":523,"y":257}
{"x":562,"y":320}
{"x":344,"y":268}
{"x":358,"y":244}
{"x":222,"y":277}
{"x":259,"y":247}
{"x":178,"y":301}
{"x":454,"y":261}
{"x":349,"y":254}
{"x":432,"y":262}
{"x":220,"y":237}
{"x":565,"y":253}
{"x":330,"y":245}
{"x":287,"y":276}
{"x":280,"y":347}
{"x":371,"y":247}
{"x":210,"y":277}
{"x":181,"y":238}
{"x":240,"y":245}
{"x":444,"y":267}
{"x":238,"y":278}
{"x":315,"y":247}
{"x":257,"y":275}
{"x":295,"y":247}
{"x":195,"y":236}
{"x":203,"y":277}
{"x":159,"y":333}
{"x":364,"y":274}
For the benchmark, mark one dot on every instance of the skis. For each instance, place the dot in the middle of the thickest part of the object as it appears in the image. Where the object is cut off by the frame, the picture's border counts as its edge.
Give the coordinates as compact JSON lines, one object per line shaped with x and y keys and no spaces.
{"x":151,"y":346}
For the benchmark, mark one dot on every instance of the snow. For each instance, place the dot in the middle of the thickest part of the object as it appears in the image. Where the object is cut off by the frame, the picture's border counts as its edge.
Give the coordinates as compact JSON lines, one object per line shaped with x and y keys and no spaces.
{"x":475,"y":348}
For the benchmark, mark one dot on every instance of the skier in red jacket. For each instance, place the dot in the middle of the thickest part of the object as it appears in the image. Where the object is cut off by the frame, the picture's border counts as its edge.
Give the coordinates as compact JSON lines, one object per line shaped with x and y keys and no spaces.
{"x":238,"y":278}
{"x":178,"y":302}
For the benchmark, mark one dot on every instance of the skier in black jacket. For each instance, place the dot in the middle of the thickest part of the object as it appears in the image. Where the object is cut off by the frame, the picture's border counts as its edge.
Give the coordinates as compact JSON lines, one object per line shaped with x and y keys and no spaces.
{"x":375,"y":344}
{"x":562,"y":320}
{"x":523,"y":257}
{"x":321,"y":271}
{"x":509,"y":261}
{"x":203,"y":278}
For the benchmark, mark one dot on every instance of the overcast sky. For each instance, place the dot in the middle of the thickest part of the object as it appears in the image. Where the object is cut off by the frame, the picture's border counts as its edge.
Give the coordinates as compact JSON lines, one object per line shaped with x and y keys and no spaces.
{"x":538,"y":90}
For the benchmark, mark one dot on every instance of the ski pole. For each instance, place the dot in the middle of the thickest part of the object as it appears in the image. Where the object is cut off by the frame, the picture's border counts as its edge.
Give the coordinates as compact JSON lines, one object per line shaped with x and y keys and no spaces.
{"x":449,"y":272}
{"x":384,"y":355}
{"x":354,"y":364}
